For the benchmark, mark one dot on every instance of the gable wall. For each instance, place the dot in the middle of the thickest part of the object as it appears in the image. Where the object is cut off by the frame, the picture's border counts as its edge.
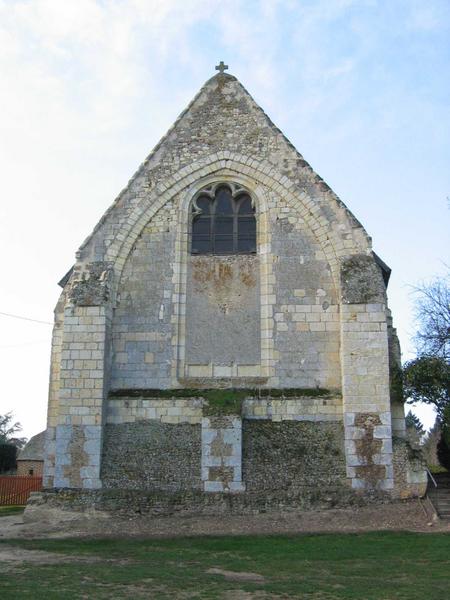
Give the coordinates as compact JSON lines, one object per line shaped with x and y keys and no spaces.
{"x":134,"y":277}
{"x":222,"y":118}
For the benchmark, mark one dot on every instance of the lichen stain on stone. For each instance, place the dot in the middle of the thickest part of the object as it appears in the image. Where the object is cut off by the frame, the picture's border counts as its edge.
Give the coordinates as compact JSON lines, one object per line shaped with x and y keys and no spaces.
{"x":216,"y":273}
{"x":219,"y":447}
{"x":366,"y":448}
{"x":221,"y":279}
{"x":246,"y":275}
{"x":362,"y":281}
{"x":90,"y":286}
{"x":223,"y":474}
{"x":78,"y":457}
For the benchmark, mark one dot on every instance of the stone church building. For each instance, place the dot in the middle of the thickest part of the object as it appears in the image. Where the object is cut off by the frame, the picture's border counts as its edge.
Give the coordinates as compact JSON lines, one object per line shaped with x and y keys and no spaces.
{"x":224,"y":336}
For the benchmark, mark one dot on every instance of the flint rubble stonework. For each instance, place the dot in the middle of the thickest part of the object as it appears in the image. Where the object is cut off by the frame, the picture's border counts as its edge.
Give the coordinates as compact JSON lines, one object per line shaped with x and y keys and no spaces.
{"x":138,"y":314}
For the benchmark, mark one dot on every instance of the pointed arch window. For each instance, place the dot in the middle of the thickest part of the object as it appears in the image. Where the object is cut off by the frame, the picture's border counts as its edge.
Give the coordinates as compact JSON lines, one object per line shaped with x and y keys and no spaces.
{"x":223,"y":221}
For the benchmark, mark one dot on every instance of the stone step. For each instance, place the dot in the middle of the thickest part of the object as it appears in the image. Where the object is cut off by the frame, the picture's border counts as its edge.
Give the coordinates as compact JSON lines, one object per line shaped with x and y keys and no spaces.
{"x":443,"y":480}
{"x":440,"y":498}
{"x":439,"y":490}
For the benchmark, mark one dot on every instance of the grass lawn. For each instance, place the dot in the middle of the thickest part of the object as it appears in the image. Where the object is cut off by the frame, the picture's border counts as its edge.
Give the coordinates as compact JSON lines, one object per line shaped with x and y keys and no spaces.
{"x":381,"y":566}
{"x":5,"y":511}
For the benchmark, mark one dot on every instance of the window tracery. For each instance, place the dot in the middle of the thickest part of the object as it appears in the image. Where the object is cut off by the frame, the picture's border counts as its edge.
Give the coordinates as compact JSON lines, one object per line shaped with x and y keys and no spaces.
{"x":223,"y":221}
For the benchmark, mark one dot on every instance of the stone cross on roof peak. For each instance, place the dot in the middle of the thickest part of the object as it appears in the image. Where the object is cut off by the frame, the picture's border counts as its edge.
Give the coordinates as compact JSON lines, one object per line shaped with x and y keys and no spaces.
{"x":221,"y":67}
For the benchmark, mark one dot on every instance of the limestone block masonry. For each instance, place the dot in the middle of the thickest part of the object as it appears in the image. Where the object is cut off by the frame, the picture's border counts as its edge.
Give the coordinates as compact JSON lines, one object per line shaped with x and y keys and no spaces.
{"x":219,"y":382}
{"x":222,"y":454}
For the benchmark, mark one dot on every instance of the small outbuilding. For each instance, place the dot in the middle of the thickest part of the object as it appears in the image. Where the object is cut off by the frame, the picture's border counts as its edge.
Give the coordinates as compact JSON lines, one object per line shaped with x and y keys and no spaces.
{"x":31,"y":458}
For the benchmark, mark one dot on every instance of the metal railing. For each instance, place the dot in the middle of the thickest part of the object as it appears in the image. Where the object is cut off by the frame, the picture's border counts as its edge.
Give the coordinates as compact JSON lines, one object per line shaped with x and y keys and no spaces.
{"x":430,"y":475}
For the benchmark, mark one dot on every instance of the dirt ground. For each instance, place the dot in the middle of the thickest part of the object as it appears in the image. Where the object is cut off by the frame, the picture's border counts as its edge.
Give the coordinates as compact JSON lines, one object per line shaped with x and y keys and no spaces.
{"x":411,"y":515}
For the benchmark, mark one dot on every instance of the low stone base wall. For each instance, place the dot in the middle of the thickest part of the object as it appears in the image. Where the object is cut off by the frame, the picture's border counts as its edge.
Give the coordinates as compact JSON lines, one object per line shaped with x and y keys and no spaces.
{"x":410,"y":476}
{"x":197,"y":503}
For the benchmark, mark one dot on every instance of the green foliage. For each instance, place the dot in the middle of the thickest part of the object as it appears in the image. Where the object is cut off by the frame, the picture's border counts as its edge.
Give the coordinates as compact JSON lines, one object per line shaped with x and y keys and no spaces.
{"x":227,"y":401}
{"x":414,"y":422}
{"x":202,"y":392}
{"x":8,"y":455}
{"x":224,"y":402}
{"x":437,"y":469}
{"x":443,"y":452}
{"x":443,"y":446}
{"x":427,"y":379}
{"x":8,"y":429}
{"x":396,"y":383}
{"x":6,"y":511}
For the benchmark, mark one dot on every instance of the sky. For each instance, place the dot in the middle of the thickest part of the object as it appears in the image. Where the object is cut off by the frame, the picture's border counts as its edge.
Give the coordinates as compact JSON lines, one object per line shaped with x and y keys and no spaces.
{"x":87,"y":88}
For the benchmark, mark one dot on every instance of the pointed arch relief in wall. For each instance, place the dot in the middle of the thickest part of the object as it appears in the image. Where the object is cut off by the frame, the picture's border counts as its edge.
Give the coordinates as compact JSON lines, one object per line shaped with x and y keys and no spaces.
{"x":222,"y":275}
{"x":256,"y":176}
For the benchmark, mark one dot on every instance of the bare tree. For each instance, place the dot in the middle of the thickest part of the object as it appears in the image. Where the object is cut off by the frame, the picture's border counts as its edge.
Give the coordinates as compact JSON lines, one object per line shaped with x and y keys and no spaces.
{"x":427,"y":377}
{"x":433,"y":318}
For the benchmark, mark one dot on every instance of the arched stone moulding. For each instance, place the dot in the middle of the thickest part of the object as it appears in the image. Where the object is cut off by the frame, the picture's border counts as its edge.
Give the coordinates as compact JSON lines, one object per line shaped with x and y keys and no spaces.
{"x":234,"y":165}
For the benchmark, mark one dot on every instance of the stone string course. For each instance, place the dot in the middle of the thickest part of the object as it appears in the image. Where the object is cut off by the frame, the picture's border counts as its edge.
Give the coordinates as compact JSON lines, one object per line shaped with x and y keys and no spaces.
{"x":190,"y":410}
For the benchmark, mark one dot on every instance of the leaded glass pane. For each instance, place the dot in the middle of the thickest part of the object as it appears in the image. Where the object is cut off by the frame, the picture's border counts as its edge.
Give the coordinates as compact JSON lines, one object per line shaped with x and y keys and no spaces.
{"x":223,"y":225}
{"x":223,"y":244}
{"x":223,"y":201}
{"x":246,"y":244}
{"x":245,"y":206}
{"x":201,"y":245}
{"x":204,"y":204}
{"x":201,"y":225}
{"x":246,"y":226}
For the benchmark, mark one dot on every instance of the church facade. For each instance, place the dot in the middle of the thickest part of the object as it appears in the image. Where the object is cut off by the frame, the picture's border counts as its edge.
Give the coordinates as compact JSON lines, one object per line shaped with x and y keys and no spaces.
{"x":225,"y":331}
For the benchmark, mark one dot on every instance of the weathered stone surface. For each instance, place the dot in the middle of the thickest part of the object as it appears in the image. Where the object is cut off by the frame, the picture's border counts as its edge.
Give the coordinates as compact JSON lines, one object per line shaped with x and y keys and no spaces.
{"x":222,"y":306}
{"x":409,"y":465}
{"x":90,"y":285}
{"x":222,"y":453}
{"x":307,"y":310}
{"x":196,"y":502}
{"x":148,"y":455}
{"x":294,"y":459}
{"x":362,"y":281}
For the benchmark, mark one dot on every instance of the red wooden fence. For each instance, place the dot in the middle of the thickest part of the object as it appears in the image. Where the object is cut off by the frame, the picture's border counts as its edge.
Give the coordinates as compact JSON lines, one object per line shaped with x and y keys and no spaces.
{"x":15,"y":490}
